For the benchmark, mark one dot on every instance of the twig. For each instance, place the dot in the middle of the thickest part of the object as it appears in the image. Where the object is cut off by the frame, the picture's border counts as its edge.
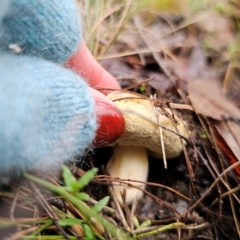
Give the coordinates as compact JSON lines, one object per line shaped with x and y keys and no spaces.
{"x":48,"y":210}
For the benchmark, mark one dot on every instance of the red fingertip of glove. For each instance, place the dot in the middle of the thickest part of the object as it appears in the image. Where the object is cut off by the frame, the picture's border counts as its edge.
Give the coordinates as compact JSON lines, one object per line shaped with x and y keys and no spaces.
{"x":111,"y":124}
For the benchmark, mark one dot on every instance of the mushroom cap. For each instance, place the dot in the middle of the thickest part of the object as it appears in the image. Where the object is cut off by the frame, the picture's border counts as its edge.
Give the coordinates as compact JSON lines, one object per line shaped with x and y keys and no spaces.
{"x":142,"y":121}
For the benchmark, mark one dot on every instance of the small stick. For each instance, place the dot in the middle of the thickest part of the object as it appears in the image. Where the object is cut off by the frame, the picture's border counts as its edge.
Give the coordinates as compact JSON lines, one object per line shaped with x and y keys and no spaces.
{"x":160,"y":131}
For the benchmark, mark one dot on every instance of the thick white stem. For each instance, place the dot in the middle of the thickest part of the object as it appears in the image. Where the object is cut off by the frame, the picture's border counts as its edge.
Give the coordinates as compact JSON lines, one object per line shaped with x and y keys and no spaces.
{"x":129,"y":162}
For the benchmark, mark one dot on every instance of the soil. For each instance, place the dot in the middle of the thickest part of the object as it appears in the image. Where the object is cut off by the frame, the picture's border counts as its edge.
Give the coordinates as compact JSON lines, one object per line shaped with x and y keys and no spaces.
{"x":189,"y":190}
{"x":163,"y":206}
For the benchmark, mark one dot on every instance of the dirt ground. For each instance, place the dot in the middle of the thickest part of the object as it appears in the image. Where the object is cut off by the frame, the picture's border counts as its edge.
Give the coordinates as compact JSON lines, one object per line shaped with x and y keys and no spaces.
{"x":198,"y":65}
{"x":186,"y":59}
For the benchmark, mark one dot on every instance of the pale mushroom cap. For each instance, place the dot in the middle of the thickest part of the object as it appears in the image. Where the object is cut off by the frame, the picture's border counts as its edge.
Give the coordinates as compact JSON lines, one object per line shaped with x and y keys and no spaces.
{"x":140,"y":130}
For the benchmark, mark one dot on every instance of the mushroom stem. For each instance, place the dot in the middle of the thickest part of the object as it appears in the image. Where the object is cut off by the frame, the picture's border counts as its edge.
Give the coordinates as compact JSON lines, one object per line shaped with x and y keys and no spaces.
{"x":129,"y":162}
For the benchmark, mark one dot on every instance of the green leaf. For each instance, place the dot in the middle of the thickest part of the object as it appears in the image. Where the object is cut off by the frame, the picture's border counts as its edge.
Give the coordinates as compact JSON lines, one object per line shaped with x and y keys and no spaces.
{"x":100,"y":204}
{"x":136,"y":222}
{"x":68,"y":178}
{"x":142,"y":89}
{"x":82,"y":196}
{"x":86,"y":178}
{"x":88,"y":234}
{"x":146,"y":223}
{"x":70,"y":222}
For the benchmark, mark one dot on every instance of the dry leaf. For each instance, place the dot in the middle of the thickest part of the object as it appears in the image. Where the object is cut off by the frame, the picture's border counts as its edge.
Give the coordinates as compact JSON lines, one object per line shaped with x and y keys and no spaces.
{"x":207,"y":99}
{"x":228,"y":145}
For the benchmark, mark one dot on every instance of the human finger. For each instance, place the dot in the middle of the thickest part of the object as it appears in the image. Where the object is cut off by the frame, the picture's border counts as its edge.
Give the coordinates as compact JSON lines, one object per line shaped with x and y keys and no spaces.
{"x":84,"y":64}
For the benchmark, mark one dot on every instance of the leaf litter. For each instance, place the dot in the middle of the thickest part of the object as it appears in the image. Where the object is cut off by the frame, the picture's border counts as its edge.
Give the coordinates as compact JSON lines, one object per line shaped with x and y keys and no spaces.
{"x":190,"y":59}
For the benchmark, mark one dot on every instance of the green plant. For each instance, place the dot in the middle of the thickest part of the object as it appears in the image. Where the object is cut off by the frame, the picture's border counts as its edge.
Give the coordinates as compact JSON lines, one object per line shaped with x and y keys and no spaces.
{"x":71,"y":192}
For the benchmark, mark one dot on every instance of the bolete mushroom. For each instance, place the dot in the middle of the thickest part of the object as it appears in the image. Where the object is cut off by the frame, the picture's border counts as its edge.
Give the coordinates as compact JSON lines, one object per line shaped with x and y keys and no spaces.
{"x":142,"y":135}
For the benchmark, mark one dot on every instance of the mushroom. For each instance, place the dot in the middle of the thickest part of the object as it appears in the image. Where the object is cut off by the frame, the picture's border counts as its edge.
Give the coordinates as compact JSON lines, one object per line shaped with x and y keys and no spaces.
{"x":142,"y":135}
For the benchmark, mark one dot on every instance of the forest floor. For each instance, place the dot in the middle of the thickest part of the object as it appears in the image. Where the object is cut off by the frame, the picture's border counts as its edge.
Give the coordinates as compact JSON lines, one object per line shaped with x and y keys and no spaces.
{"x":188,"y":56}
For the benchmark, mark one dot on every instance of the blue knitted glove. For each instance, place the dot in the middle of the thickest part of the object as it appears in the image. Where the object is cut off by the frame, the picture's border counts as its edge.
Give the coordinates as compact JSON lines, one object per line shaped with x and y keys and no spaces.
{"x":47,"y":112}
{"x":50,"y":29}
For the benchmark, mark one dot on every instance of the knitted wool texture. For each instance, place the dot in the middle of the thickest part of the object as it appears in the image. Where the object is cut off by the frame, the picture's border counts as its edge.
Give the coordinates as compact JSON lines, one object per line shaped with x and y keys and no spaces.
{"x":47,"y":113}
{"x":50,"y":29}
{"x":4,"y":7}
